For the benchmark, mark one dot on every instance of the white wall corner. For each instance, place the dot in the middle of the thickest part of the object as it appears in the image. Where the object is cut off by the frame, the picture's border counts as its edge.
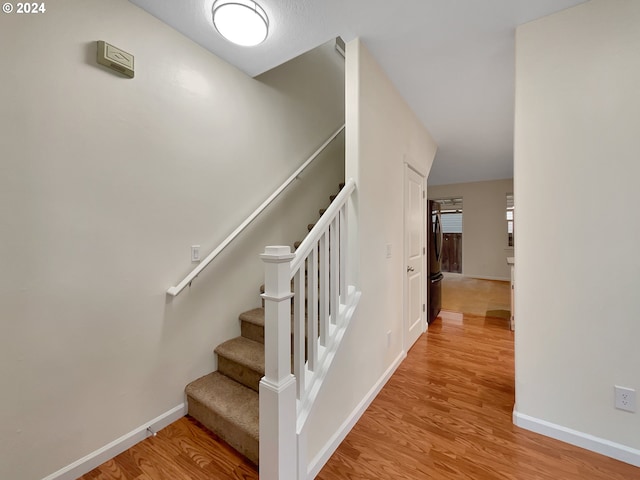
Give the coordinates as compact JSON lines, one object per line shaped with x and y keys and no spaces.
{"x":128,"y":440}
{"x":334,"y":442}
{"x":579,"y":439}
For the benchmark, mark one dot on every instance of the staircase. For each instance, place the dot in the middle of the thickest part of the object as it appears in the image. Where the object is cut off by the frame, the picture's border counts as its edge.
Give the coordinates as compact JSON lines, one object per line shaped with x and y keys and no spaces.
{"x":226,"y":401}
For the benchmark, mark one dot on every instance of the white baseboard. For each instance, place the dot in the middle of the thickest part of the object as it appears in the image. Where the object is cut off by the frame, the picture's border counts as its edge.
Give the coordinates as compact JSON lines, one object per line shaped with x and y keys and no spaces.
{"x":98,"y":457}
{"x":484,"y":277}
{"x":579,"y":439}
{"x":334,"y":442}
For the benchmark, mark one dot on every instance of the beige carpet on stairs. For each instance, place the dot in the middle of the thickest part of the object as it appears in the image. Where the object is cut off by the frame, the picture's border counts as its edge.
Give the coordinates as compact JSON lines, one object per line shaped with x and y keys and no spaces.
{"x":228,"y":409}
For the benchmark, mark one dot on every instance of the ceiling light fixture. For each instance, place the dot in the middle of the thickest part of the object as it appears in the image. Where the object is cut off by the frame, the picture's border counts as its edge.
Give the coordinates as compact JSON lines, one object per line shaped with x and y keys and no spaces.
{"x":242,"y":22}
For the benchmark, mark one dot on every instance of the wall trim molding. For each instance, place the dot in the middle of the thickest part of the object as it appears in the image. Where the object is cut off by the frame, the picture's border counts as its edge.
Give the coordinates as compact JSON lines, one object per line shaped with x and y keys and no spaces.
{"x":584,"y":440}
{"x":336,"y":439}
{"x":128,"y":440}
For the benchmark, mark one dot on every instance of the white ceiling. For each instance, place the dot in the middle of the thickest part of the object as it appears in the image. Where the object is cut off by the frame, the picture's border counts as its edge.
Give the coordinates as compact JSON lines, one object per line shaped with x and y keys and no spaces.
{"x":452,"y":60}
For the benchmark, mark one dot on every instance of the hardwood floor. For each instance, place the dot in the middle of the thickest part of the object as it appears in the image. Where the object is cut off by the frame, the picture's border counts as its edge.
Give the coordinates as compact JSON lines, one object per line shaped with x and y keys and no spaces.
{"x":183,"y":451}
{"x":489,"y":298}
{"x":445,"y":414}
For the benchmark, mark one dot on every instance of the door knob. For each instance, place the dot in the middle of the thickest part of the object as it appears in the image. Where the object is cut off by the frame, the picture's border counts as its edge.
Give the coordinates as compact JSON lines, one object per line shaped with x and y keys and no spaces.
{"x":410,"y":269}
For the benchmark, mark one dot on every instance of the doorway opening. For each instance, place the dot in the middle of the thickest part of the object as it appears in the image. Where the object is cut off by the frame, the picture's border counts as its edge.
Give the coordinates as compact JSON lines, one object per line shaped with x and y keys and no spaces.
{"x":451,"y":218}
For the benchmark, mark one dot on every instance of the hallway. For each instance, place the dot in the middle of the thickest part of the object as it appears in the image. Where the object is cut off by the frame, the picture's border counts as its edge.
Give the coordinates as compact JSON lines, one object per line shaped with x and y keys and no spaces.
{"x":446,"y":412}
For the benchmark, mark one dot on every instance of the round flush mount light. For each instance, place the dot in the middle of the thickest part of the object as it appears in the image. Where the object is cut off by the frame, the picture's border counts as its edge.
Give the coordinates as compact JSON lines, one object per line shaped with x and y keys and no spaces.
{"x":242,"y":22}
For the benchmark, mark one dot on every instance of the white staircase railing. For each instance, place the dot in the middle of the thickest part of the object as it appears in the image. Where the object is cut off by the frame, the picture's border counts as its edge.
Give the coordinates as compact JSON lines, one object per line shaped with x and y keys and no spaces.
{"x":175,"y":290}
{"x":322,"y":303}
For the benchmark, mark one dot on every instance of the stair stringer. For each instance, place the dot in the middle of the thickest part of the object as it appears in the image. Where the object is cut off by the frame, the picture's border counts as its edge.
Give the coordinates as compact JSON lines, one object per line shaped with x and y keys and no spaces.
{"x":316,"y":379}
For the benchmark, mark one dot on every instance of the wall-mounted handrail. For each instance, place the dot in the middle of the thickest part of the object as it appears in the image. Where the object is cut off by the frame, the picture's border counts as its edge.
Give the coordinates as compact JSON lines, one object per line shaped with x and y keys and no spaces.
{"x":175,"y":290}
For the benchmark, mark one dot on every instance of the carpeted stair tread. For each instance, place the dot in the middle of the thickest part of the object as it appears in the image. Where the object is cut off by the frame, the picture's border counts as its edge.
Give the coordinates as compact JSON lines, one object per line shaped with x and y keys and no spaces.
{"x":244,"y":351}
{"x":242,"y":360}
{"x":228,"y":409}
{"x":255,"y":316}
{"x":252,"y":325}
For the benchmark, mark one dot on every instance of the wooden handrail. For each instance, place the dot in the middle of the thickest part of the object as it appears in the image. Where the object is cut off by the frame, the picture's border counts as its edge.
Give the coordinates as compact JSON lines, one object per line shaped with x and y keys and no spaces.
{"x":175,"y":290}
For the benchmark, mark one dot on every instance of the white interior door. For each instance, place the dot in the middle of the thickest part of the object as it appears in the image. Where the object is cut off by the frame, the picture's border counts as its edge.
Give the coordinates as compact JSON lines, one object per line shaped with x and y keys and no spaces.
{"x":414,"y":234}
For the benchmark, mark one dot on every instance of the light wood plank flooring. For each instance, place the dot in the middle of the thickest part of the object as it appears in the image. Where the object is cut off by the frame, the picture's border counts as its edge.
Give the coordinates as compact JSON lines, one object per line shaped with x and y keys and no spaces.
{"x":184,"y":450}
{"x":488,"y":298}
{"x":445,"y":414}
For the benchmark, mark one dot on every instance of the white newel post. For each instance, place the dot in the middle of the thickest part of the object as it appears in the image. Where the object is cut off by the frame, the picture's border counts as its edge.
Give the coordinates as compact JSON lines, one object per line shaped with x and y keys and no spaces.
{"x":278,"y":442}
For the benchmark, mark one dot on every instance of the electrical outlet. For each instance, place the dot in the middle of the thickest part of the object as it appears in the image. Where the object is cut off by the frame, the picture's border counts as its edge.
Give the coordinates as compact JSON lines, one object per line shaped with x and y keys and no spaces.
{"x":625,"y":399}
{"x":195,"y":253}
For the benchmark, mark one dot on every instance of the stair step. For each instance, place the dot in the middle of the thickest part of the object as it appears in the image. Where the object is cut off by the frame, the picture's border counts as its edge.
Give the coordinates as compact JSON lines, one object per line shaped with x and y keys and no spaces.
{"x":228,"y":409}
{"x":310,"y":226}
{"x":252,"y":325}
{"x":332,"y":198}
{"x":297,"y":244}
{"x":242,"y":360}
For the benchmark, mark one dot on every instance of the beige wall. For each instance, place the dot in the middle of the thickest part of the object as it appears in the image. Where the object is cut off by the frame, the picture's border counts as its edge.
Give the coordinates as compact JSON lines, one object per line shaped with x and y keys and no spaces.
{"x":382,"y":133}
{"x":105,"y":182}
{"x":577,"y":263}
{"x":484,"y":226}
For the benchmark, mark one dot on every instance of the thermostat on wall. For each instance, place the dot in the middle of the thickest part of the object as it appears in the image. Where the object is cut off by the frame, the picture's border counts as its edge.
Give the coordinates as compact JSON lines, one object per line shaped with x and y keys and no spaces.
{"x":115,"y":59}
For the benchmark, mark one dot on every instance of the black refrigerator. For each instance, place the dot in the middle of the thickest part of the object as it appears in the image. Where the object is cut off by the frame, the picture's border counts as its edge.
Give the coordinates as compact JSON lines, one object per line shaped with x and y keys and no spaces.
{"x":434,"y":245}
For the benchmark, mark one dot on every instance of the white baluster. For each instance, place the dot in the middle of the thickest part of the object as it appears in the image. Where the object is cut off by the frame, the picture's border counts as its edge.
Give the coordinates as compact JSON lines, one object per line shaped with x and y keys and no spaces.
{"x":324,"y":289}
{"x":343,"y":254}
{"x":278,"y":442}
{"x":312,"y":302}
{"x":299,"y":331}
{"x":334,"y":272}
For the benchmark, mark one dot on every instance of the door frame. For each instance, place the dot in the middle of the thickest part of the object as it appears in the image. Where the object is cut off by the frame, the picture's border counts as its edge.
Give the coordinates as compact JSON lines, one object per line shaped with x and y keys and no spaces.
{"x":408,"y":165}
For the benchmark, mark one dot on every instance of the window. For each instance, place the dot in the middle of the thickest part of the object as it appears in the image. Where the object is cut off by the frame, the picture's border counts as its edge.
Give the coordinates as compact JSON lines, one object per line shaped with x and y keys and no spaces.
{"x":451,"y":215}
{"x":510,"y":218}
